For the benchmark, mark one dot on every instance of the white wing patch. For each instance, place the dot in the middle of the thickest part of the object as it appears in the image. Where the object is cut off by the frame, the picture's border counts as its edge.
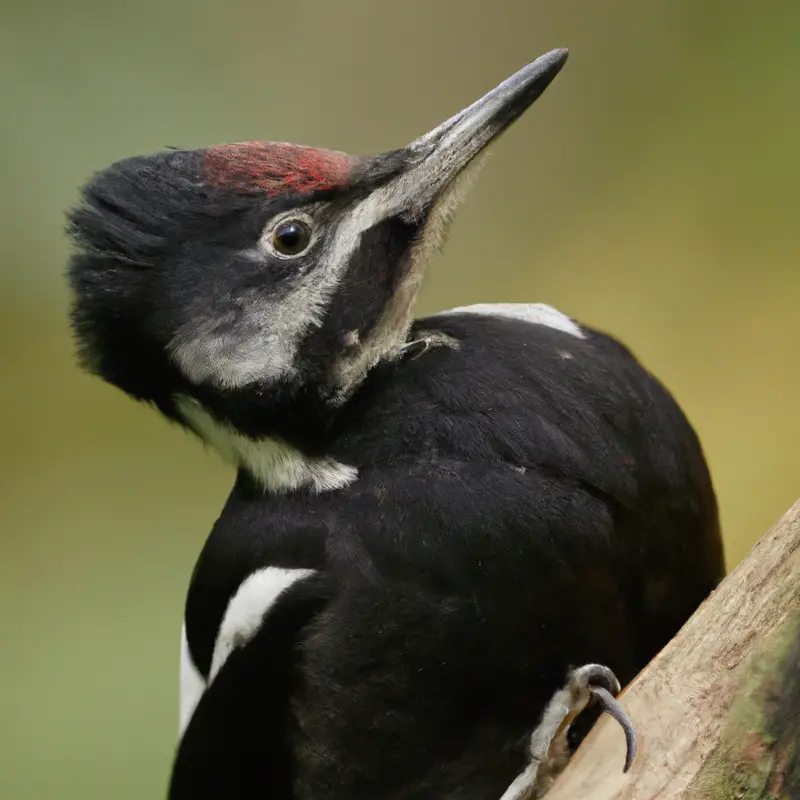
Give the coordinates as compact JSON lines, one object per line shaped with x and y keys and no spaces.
{"x":247,"y":608}
{"x":537,"y":313}
{"x":192,"y":684}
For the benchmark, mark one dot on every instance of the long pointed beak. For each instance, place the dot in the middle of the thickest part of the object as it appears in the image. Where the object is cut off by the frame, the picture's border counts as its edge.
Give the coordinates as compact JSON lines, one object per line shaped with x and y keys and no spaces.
{"x":466,"y":133}
{"x":433,"y":162}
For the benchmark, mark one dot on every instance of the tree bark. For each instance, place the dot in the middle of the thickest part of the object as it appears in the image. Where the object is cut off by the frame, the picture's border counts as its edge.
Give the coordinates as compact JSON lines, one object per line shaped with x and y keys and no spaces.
{"x":717,"y":711}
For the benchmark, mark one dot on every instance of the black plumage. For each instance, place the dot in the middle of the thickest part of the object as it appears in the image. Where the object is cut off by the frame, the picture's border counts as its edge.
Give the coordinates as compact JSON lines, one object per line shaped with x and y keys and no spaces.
{"x":525,"y":503}
{"x":483,"y":500}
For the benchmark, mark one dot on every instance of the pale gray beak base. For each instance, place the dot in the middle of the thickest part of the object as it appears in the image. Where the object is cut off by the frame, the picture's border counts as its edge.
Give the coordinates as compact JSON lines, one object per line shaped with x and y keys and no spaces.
{"x":436,"y":159}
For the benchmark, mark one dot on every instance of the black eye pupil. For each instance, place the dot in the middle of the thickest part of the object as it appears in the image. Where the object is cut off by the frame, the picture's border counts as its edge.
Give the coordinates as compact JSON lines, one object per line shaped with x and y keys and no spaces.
{"x":291,"y":237}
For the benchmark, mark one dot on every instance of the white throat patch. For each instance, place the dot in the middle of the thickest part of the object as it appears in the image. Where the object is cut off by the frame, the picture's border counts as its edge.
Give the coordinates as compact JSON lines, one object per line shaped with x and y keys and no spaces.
{"x":274,"y":464}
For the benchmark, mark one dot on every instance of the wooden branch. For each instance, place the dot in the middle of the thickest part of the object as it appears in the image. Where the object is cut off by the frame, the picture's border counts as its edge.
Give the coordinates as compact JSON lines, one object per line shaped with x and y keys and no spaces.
{"x":717,"y":712}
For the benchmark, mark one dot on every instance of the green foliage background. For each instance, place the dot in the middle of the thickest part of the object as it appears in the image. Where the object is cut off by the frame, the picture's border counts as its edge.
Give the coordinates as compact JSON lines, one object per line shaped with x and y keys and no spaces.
{"x":653,"y":191}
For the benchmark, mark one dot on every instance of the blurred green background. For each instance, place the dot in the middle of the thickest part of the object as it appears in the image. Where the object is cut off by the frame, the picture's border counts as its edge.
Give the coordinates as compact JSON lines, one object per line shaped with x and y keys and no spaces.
{"x":653,"y":191}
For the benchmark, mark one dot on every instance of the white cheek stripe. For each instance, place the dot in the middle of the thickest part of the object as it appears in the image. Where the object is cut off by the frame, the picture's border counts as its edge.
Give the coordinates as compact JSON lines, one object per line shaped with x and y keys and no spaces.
{"x":192,"y":684}
{"x":537,"y":313}
{"x":257,"y":339}
{"x":246,"y":610}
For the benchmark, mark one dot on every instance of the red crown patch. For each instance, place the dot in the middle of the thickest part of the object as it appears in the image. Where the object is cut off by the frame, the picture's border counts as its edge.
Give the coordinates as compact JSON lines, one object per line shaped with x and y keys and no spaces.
{"x":275,"y":168}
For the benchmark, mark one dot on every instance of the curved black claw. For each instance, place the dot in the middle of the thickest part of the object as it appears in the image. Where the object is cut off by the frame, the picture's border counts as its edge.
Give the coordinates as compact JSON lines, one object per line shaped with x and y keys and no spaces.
{"x":581,"y":679}
{"x":591,"y":681}
{"x":612,"y":707}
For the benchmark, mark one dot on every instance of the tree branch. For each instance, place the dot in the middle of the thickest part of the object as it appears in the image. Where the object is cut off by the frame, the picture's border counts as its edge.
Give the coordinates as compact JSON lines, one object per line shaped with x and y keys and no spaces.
{"x":717,"y":711}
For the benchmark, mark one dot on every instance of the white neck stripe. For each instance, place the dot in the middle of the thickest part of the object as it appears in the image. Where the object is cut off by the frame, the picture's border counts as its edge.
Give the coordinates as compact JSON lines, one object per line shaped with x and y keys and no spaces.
{"x":274,"y":464}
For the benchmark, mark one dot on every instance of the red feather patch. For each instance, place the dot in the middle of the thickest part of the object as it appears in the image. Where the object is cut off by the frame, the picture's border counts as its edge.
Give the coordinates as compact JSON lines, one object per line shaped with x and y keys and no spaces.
{"x":275,"y":168}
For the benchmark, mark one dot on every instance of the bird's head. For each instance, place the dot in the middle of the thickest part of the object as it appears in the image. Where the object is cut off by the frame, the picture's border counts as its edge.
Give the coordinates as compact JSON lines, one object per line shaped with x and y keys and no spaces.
{"x":267,"y":274}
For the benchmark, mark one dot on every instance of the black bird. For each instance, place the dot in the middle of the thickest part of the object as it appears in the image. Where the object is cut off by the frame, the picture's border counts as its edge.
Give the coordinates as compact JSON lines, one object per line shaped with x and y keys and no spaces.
{"x":433,"y":521}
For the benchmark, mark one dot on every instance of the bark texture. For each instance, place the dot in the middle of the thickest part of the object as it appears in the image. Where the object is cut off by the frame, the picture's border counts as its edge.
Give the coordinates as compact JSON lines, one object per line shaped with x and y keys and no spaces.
{"x":717,"y":712}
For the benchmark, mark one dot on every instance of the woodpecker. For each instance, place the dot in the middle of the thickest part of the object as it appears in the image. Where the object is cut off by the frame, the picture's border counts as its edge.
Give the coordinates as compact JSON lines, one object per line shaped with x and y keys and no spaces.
{"x":434,"y":522}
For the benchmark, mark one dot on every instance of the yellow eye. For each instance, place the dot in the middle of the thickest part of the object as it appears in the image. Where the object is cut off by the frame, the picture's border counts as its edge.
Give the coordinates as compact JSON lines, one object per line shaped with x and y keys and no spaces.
{"x":291,"y":237}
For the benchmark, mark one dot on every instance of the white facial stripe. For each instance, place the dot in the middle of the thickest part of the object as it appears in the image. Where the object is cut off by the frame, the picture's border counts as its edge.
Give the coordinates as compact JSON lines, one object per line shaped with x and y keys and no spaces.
{"x":192,"y":685}
{"x":537,"y":313}
{"x":247,"y":608}
{"x":258,"y":340}
{"x":274,"y":464}
{"x":388,"y":337}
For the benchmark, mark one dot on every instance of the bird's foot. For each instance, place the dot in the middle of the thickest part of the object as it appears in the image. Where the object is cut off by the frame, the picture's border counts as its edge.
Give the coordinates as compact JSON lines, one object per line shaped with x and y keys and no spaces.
{"x":548,"y":749}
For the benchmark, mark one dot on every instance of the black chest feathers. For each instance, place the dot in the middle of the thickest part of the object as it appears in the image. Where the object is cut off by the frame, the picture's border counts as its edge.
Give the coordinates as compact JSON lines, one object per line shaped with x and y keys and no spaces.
{"x":527,"y":499}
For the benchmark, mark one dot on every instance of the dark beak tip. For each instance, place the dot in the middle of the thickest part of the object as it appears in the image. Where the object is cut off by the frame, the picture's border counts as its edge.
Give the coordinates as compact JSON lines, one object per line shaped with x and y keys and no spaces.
{"x":454,"y":143}
{"x":553,"y":61}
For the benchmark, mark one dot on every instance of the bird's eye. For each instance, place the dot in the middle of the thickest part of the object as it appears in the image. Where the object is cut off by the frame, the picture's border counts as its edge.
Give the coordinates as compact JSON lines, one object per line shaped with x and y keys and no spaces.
{"x":291,"y":237}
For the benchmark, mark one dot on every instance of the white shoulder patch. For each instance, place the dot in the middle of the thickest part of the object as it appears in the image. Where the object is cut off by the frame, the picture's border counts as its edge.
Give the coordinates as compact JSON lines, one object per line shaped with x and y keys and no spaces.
{"x":247,"y":608}
{"x":192,"y":685}
{"x":275,"y":464}
{"x":537,"y":313}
